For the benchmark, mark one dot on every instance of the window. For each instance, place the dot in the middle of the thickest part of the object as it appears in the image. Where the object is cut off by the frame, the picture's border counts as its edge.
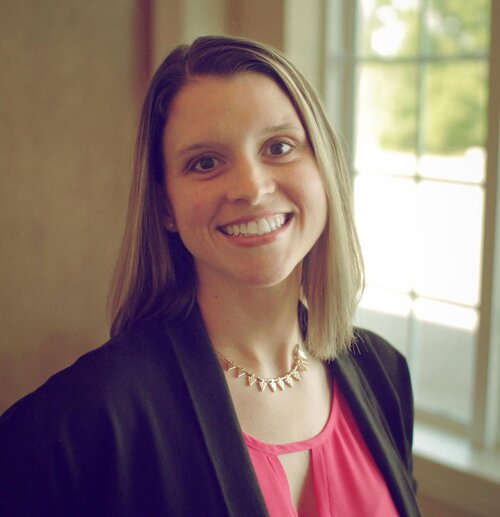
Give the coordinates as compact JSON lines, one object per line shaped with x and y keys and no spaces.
{"x":408,"y":86}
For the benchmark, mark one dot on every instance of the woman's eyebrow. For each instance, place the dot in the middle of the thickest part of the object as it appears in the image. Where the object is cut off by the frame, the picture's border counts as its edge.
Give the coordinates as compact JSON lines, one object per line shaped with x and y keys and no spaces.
{"x":197,"y":147}
{"x":282,"y":127}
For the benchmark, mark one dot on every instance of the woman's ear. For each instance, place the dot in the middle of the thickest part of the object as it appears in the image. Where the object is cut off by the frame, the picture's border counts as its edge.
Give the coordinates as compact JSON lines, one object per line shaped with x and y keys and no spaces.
{"x":167,"y":216}
{"x":168,"y":219}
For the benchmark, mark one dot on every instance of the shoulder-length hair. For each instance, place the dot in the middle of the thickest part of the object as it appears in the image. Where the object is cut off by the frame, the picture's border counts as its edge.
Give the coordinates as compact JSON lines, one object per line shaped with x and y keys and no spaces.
{"x":155,"y":273}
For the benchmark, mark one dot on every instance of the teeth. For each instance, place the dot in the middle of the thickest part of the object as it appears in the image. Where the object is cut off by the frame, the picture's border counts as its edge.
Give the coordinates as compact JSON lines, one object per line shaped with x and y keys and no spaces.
{"x":258,"y":227}
{"x":263,"y":227}
{"x":252,"y":228}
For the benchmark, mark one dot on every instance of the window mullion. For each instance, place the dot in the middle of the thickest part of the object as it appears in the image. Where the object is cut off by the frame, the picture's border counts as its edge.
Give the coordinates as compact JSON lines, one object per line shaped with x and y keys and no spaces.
{"x":412,"y":327}
{"x":488,"y":342}
{"x":340,"y":85}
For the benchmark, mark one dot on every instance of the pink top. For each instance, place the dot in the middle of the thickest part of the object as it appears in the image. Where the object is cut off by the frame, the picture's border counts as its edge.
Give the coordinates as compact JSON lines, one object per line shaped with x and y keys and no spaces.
{"x":346,"y":479}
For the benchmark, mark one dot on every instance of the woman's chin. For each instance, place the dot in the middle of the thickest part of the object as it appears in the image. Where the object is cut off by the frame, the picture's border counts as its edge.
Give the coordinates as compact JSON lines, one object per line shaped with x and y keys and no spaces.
{"x":268,"y":277}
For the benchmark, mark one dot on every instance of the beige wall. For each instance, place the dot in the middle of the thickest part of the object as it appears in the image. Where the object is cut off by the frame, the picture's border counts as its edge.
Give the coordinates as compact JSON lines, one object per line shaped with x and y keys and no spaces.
{"x":293,"y":26}
{"x":67,"y":119}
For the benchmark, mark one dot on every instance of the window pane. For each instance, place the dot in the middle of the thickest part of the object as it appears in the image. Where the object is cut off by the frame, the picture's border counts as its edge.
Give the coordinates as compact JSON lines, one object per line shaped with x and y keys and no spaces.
{"x":444,"y":359}
{"x":454,"y":120}
{"x":386,"y":121}
{"x":457,"y":26}
{"x":449,"y":224}
{"x":466,"y":167}
{"x":388,"y":27}
{"x":385,"y":211}
{"x":386,"y":312}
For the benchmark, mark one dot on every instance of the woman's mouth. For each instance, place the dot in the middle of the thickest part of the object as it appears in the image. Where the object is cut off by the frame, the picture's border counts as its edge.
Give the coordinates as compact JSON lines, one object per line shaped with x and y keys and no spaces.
{"x":261,"y":226}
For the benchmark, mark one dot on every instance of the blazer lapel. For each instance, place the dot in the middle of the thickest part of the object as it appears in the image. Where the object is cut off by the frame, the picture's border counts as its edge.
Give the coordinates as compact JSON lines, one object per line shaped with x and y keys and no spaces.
{"x":372,"y":424}
{"x":216,"y":416}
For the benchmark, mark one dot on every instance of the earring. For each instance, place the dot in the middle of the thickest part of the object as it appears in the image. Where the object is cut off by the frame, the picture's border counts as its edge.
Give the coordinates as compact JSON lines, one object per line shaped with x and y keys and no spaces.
{"x":171,"y":226}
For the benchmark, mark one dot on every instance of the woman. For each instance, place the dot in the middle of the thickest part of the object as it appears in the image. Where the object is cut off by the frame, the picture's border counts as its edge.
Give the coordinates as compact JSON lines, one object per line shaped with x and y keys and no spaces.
{"x":233,"y":383}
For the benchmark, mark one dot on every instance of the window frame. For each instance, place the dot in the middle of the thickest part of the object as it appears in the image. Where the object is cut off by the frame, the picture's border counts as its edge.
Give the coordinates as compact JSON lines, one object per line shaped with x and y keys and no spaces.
{"x":339,"y":92}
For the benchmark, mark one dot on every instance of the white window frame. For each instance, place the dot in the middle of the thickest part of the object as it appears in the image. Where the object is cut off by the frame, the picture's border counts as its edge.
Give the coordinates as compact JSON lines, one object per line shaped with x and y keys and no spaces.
{"x":339,"y":90}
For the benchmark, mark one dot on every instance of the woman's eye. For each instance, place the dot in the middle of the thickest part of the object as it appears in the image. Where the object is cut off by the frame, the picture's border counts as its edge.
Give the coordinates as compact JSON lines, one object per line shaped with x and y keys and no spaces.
{"x":204,"y":164}
{"x":279,"y":148}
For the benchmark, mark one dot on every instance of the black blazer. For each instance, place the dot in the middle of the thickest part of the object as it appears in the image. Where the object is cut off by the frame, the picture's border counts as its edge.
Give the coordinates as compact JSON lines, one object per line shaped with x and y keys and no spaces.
{"x":145,"y":426}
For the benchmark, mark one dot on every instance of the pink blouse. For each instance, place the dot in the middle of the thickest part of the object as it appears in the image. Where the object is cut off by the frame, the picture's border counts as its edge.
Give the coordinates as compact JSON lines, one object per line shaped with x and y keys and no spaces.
{"x":346,"y":479}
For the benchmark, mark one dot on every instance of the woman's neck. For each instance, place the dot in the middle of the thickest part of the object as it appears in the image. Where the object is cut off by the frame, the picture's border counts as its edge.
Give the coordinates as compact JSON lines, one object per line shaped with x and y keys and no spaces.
{"x":256,"y":327}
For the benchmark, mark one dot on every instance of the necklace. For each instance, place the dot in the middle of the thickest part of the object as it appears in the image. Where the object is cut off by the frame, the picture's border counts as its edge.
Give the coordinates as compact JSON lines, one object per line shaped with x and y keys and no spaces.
{"x":300,"y":363}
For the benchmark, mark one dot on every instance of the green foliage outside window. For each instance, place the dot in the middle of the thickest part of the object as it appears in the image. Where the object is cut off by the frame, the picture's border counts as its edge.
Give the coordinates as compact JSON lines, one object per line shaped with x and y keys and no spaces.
{"x":442,"y":49}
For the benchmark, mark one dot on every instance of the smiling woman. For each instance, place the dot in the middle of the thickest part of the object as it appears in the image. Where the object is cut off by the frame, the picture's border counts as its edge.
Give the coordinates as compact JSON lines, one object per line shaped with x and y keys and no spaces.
{"x":329,"y":321}
{"x":234,"y":383}
{"x":248,"y":167}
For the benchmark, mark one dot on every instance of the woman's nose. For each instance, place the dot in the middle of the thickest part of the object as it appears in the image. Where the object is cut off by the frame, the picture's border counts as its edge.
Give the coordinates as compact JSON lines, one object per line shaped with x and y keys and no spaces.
{"x":250,"y":181}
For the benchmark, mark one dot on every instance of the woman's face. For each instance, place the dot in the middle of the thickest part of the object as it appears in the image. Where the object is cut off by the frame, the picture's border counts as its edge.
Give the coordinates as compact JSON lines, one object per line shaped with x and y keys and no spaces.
{"x":242,"y":181}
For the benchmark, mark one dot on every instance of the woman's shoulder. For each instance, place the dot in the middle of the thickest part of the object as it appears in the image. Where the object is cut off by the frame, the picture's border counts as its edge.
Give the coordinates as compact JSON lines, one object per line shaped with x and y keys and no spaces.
{"x":378,"y":372}
{"x":378,"y":358}
{"x":117,"y":405}
{"x":105,"y":375}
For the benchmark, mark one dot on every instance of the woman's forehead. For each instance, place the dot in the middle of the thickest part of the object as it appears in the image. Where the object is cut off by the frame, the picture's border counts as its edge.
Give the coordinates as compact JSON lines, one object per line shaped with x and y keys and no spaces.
{"x":246,"y":101}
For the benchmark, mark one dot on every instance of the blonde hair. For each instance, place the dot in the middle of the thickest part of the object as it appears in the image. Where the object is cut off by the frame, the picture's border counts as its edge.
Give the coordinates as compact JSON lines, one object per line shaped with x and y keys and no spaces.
{"x":155,"y":273}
